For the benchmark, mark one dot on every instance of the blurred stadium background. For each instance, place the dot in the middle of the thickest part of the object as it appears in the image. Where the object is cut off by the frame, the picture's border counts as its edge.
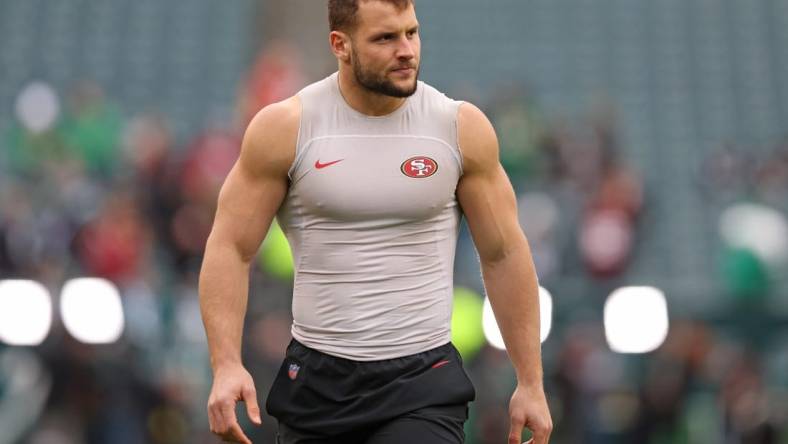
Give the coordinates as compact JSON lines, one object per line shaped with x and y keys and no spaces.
{"x":647,"y":142}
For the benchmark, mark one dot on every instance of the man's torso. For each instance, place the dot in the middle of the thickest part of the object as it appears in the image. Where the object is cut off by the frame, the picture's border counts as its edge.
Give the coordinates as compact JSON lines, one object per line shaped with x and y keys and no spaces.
{"x":372,"y":220}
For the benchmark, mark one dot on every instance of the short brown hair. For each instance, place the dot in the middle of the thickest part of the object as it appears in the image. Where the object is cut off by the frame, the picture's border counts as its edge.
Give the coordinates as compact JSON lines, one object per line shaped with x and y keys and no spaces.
{"x":343,"y":14}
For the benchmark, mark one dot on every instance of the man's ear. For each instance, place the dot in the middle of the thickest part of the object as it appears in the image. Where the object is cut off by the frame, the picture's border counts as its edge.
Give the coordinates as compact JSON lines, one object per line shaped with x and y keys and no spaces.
{"x":340,"y":45}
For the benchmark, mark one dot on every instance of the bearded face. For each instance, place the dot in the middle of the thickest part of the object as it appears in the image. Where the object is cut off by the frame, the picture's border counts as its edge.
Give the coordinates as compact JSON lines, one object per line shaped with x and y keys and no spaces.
{"x":400,"y":80}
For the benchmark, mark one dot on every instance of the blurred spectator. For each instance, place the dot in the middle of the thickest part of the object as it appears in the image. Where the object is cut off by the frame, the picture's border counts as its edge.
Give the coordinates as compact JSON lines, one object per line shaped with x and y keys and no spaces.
{"x":208,"y":160}
{"x":520,"y":128}
{"x":32,"y":138}
{"x":149,"y":149}
{"x":116,"y":244}
{"x":771,"y":176}
{"x":91,"y":129}
{"x":275,"y":75}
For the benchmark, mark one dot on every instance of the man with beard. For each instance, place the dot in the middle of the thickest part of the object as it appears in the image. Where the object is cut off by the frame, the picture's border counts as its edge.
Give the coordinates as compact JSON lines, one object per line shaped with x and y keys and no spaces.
{"x":369,"y":172}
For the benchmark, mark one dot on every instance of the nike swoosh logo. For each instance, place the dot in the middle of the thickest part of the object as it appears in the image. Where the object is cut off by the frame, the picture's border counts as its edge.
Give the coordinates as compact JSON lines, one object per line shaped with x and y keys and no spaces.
{"x":319,"y":165}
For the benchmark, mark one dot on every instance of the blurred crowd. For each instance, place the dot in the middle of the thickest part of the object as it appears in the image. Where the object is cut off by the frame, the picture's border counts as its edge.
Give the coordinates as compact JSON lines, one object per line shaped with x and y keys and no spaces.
{"x":761,"y":172}
{"x":86,"y":189}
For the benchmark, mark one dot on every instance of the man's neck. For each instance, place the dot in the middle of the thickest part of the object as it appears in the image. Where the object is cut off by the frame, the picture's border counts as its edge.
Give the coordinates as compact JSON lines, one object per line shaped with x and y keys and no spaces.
{"x":363,"y":100}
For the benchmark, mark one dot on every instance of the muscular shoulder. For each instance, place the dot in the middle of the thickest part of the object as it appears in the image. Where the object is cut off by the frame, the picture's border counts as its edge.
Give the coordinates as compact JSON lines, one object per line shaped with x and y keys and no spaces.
{"x":477,"y":140}
{"x":270,"y":139}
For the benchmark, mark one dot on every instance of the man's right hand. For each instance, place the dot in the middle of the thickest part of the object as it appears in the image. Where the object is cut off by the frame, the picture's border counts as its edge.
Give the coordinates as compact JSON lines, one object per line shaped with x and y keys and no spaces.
{"x":230,"y":385}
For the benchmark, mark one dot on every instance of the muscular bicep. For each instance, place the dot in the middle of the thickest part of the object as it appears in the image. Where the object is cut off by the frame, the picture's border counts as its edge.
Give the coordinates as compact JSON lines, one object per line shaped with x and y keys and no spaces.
{"x":484,"y":191}
{"x":257,"y":184}
{"x":247,"y":204}
{"x":490,"y":209}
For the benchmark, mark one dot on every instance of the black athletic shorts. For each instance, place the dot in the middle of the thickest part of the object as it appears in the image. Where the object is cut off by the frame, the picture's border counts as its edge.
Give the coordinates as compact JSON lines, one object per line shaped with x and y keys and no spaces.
{"x":323,"y":399}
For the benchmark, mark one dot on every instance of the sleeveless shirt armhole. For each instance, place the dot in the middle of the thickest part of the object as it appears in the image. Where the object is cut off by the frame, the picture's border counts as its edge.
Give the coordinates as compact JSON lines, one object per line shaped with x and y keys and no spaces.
{"x":298,"y":140}
{"x":457,"y":135}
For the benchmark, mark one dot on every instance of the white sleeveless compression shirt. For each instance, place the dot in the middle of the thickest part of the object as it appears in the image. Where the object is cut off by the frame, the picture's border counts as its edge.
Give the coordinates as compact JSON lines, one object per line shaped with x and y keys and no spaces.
{"x":372,"y":221}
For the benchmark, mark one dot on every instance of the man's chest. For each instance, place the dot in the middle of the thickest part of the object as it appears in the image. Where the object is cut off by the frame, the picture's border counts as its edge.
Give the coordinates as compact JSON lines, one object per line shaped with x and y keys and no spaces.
{"x":361,"y":177}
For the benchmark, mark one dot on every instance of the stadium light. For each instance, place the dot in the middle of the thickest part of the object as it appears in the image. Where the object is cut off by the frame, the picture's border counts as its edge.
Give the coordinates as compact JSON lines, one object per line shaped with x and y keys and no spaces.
{"x":25,"y":312}
{"x":37,"y":106}
{"x":91,"y":310}
{"x":493,"y":333}
{"x":756,"y":227}
{"x":636,"y":319}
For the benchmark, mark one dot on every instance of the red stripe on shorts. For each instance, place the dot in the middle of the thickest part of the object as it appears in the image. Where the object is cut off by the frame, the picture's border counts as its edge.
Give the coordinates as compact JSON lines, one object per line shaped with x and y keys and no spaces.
{"x":440,"y":364}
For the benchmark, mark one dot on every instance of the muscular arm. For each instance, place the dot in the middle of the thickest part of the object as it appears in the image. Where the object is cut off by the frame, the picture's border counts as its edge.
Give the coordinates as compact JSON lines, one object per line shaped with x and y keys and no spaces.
{"x":488,"y":202}
{"x":248,"y":201}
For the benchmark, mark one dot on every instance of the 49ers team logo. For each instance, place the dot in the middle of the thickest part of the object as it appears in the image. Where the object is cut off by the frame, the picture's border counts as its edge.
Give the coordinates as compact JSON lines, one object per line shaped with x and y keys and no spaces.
{"x":419,"y":167}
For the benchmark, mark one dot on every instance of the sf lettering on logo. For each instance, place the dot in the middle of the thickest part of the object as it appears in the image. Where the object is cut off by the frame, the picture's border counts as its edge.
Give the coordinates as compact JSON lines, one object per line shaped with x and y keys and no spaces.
{"x":419,"y":167}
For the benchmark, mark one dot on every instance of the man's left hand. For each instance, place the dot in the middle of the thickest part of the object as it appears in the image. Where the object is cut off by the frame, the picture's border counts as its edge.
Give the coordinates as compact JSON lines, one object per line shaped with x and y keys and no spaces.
{"x":528,"y":408}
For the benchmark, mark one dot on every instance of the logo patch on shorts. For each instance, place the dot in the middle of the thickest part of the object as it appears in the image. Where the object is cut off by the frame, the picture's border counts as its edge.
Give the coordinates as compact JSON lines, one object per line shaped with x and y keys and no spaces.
{"x":419,"y":167}
{"x":292,"y":371}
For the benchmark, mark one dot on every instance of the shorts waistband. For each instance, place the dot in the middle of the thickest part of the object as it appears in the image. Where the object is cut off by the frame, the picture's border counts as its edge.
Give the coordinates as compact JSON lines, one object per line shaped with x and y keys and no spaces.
{"x":304,"y":351}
